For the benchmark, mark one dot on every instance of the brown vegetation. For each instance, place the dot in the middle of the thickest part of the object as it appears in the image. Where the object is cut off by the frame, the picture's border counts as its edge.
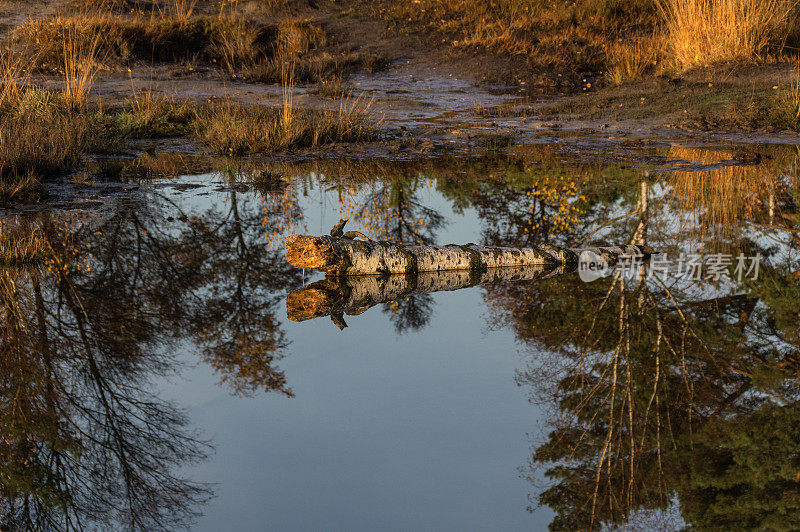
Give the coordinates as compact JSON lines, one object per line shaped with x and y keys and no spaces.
{"x":615,"y":40}
{"x":234,"y":129}
{"x":560,"y":39}
{"x":700,"y":32}
{"x":125,"y":39}
{"x":20,"y":245}
{"x":243,"y":48}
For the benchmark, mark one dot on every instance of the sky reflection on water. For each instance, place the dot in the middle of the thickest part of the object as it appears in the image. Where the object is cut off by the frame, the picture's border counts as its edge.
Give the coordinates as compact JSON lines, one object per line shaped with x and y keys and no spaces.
{"x":606,"y":402}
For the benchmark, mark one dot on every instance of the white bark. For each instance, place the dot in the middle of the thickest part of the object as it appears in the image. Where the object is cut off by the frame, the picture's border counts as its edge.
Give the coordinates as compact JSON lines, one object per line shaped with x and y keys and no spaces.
{"x":346,"y":256}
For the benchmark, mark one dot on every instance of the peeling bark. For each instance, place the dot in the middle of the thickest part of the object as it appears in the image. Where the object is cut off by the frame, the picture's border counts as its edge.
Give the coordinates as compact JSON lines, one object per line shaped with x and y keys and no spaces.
{"x":341,"y":256}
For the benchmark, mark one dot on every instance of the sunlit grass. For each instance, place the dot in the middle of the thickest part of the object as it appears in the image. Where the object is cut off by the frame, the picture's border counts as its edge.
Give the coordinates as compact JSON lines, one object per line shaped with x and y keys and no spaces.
{"x":236,"y":129}
{"x":559,"y":38}
{"x":618,"y":40}
{"x":44,"y":133}
{"x":121,"y":39}
{"x":701,"y":32}
{"x":632,"y":59}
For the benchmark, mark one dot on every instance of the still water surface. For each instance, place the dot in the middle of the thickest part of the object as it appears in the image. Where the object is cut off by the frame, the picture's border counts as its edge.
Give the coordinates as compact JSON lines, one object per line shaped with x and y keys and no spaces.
{"x":155,"y":378}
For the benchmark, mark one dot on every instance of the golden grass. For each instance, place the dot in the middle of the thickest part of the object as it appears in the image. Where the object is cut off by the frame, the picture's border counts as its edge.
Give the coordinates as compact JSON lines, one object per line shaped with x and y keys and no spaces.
{"x":182,"y":9}
{"x":632,"y":59}
{"x":235,"y":129}
{"x":561,"y":41}
{"x":20,"y":246}
{"x":124,"y":39}
{"x":44,"y":133}
{"x":315,"y":67}
{"x":296,"y":37}
{"x":554,"y":36}
{"x":701,"y":32}
{"x":13,"y":78}
{"x":247,"y":49}
{"x":331,"y":88}
{"x":42,"y":139}
{"x":80,"y":66}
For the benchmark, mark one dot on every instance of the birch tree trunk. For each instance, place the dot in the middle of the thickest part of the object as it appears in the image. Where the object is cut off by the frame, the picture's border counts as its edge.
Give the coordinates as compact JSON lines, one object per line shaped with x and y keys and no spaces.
{"x":338,"y":256}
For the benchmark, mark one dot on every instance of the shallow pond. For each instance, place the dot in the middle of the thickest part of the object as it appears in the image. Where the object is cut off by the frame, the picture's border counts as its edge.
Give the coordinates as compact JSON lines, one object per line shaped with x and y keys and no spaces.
{"x":154,"y":376}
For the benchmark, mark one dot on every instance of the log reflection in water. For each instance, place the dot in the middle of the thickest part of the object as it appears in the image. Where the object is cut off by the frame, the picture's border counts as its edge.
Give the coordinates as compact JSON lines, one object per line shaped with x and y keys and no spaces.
{"x":356,"y":294}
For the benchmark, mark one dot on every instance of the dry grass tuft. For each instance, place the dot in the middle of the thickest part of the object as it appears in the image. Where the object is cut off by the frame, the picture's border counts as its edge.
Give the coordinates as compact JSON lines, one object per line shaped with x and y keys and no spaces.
{"x":296,"y":37}
{"x":149,"y":115}
{"x":24,"y":188}
{"x":182,"y":9}
{"x":701,"y":32}
{"x":42,"y":138}
{"x":125,"y":39}
{"x":630,"y":60}
{"x":331,"y":88}
{"x":234,"y":129}
{"x":314,"y":67}
{"x":45,"y":133}
{"x":787,"y":104}
{"x":81,"y":65}
{"x":13,"y":78}
{"x":301,"y":43}
{"x":20,"y":245}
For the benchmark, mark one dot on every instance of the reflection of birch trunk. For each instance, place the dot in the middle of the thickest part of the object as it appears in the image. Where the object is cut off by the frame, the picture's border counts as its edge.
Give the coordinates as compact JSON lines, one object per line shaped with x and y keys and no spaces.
{"x":346,"y":256}
{"x":354,"y":295}
{"x":640,"y":235}
{"x":771,"y":204}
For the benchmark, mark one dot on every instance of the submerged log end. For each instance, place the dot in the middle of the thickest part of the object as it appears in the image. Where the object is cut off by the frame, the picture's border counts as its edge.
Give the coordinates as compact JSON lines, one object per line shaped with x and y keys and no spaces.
{"x":316,"y":253}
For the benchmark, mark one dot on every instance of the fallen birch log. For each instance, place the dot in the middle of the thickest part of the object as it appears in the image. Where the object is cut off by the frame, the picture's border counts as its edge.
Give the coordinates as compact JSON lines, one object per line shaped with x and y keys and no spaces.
{"x":355,"y":294}
{"x":342,"y":254}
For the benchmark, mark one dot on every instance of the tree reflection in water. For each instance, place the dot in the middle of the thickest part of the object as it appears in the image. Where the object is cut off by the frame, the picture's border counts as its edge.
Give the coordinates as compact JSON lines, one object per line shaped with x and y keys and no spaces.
{"x":672,"y":403}
{"x":664,"y":398}
{"x":91,"y":319}
{"x":668,"y":400}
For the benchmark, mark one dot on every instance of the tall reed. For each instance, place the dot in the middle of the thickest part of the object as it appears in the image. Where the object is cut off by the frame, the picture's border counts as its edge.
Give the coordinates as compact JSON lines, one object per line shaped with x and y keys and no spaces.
{"x":81,"y":64}
{"x":706,"y":31}
{"x":183,"y":9}
{"x":287,"y":88}
{"x":13,"y":79}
